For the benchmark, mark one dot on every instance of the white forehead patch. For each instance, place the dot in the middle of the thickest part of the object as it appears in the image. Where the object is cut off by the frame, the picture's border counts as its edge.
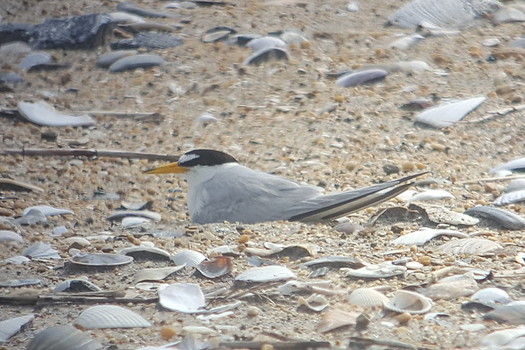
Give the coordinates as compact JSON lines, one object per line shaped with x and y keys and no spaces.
{"x":187,"y":157}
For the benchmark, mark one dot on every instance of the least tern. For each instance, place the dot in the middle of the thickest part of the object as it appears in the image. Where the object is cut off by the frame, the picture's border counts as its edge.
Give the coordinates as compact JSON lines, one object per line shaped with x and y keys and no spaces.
{"x":220,"y":189}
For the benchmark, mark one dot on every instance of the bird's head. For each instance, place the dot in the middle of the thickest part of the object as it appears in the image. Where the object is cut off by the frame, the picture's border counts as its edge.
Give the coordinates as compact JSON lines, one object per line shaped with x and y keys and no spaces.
{"x":193,"y":159}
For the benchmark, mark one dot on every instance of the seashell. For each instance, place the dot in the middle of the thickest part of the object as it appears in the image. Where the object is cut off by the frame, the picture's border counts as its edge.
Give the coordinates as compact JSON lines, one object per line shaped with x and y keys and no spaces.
{"x":120,"y":214}
{"x":119,"y":17}
{"x":445,"y":14}
{"x":506,"y":339}
{"x":335,"y":262}
{"x":368,"y":76}
{"x":442,"y":215}
{"x":136,"y":61}
{"x":293,"y":38}
{"x":411,"y":302}
{"x":314,"y":302}
{"x":424,"y":235}
{"x":265,"y":55}
{"x":263,"y":274}
{"x":336,"y":318}
{"x":34,"y":59}
{"x":406,"y":42}
{"x":293,"y":252}
{"x":110,"y":316}
{"x":504,"y":218}
{"x":63,"y":338}
{"x":319,"y":287}
{"x":109,"y":58}
{"x":58,"y":231}
{"x":133,"y":221}
{"x":513,"y":313}
{"x":452,"y":287}
{"x":17,"y":260}
{"x":352,"y":6}
{"x":130,"y":205}
{"x":219,"y":33}
{"x":20,"y":282}
{"x":42,"y":113}
{"x":76,"y":285}
{"x":508,"y":14}
{"x":266,"y":42}
{"x":41,"y":250}
{"x":520,"y":258}
{"x":14,"y":185}
{"x":6,"y":236}
{"x":448,"y":113}
{"x":48,"y":211}
{"x":515,"y":185}
{"x":491,"y":41}
{"x":10,"y":327}
{"x":367,"y":298}
{"x":187,"y":257}
{"x":430,"y":195}
{"x":182,"y":297}
{"x":144,"y":12}
{"x":33,"y":217}
{"x":157,"y":274}
{"x":510,"y":198}
{"x":205,"y":119}
{"x":146,"y":253}
{"x":507,"y":168}
{"x":491,"y":297}
{"x":382,"y":270}
{"x":215,"y":267}
{"x":101,"y":259}
{"x":474,"y":246}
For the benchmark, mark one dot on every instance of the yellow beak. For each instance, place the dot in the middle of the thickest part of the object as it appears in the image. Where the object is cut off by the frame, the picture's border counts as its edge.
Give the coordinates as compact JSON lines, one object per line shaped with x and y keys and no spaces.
{"x":171,"y":168}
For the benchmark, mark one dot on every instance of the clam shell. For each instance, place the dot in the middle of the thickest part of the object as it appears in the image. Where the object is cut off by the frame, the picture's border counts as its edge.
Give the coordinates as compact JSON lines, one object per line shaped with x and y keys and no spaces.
{"x":63,"y":338}
{"x":266,"y":42}
{"x":361,"y":77}
{"x":182,"y":297}
{"x":452,"y":287}
{"x":128,"y":222}
{"x":33,"y":217}
{"x":474,"y":246}
{"x":136,"y":61}
{"x":215,"y":267}
{"x":272,"y":53}
{"x":336,"y":318}
{"x":335,"y":262}
{"x":187,"y":257}
{"x":155,"y":274}
{"x":119,"y":215}
{"x":382,"y":270}
{"x":146,"y":253}
{"x":10,"y":327}
{"x":442,"y":215}
{"x":367,"y":298}
{"x":426,"y":234}
{"x":42,"y":113}
{"x":106,"y":60}
{"x":411,"y":302}
{"x":266,"y":274}
{"x":505,"y":218}
{"x":19,"y":282}
{"x":515,"y":185}
{"x":110,"y":316}
{"x":101,"y":259}
{"x":448,"y":113}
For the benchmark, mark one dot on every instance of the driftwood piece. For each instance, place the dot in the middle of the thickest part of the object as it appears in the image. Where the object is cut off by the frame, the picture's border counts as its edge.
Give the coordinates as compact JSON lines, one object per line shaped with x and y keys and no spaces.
{"x":79,"y":298}
{"x":88,"y":153}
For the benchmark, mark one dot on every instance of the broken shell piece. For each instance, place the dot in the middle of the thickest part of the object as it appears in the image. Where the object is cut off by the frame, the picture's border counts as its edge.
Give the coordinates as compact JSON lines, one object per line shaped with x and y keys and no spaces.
{"x":19,"y":282}
{"x":411,"y":302}
{"x":430,"y":195}
{"x":41,"y":250}
{"x":507,"y":168}
{"x":76,"y":285}
{"x":506,"y":339}
{"x":336,"y":318}
{"x":491,"y":297}
{"x":266,"y":274}
{"x":441,"y":215}
{"x":367,"y":298}
{"x":215,"y":267}
{"x":10,"y":327}
{"x":155,"y":274}
{"x":510,"y":198}
{"x":33,"y":217}
{"x":426,"y":234}
{"x":314,"y":302}
{"x":505,"y":218}
{"x":335,"y":262}
{"x":264,"y":55}
{"x":361,"y":77}
{"x":128,"y":222}
{"x":6,"y":236}
{"x":382,"y":270}
{"x":146,"y":253}
{"x":452,"y":287}
{"x":474,"y":246}
{"x":513,"y":313}
{"x":448,"y":113}
{"x":42,"y":113}
{"x":187,"y":257}
{"x":182,"y":297}
{"x":63,"y":338}
{"x":101,"y":259}
{"x":48,"y":211}
{"x":110,"y":316}
{"x":119,"y":215}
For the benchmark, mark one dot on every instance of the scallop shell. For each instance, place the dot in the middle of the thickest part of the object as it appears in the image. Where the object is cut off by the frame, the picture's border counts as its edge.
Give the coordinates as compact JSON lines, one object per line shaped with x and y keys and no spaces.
{"x":383,"y":270}
{"x":424,"y":235}
{"x":63,"y":338}
{"x":101,"y":259}
{"x":270,"y":273}
{"x":42,"y":113}
{"x":411,"y":302}
{"x":474,"y":246}
{"x":10,"y":327}
{"x":367,"y":298}
{"x":505,"y":218}
{"x":182,"y":297}
{"x":448,"y":113}
{"x":110,"y":316}
{"x":215,"y":267}
{"x":187,"y":257}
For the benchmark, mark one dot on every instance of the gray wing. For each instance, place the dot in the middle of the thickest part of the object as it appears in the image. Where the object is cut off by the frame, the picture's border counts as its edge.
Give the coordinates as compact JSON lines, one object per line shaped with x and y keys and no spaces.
{"x":257,"y":197}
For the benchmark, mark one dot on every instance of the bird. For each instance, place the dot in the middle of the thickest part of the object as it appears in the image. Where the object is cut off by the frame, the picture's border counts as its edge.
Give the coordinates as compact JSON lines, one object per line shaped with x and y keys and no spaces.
{"x":221,"y":189}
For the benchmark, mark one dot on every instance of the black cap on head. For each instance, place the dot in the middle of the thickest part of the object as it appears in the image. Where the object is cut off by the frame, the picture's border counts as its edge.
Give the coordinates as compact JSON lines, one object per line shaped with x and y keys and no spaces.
{"x":205,"y":157}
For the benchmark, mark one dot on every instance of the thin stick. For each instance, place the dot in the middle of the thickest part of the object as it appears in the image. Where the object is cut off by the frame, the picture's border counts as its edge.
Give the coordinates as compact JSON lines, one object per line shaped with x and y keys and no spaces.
{"x":80,"y":298}
{"x":490,"y":179}
{"x":89,"y":153}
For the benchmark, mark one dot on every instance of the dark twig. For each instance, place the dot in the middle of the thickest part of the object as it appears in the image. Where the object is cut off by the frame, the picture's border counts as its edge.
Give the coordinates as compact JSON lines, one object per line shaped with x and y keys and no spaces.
{"x":89,"y":153}
{"x":80,"y":298}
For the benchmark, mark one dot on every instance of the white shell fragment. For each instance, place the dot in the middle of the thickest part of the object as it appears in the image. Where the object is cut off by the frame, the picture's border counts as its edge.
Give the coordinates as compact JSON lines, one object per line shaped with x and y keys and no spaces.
{"x":367,"y":298}
{"x":265,"y":42}
{"x":136,"y":61}
{"x":48,"y":211}
{"x":76,"y":285}
{"x":513,"y":313}
{"x":510,"y":198}
{"x":268,"y":54}
{"x":63,"y":338}
{"x":336,"y":318}
{"x":42,"y":113}
{"x":430,"y":195}
{"x":411,"y":302}
{"x":215,"y":267}
{"x":187,"y":257}
{"x":41,"y":250}
{"x":382,"y":270}
{"x":33,"y":217}
{"x":442,"y":215}
{"x":491,"y":296}
{"x":361,"y":77}
{"x":452,"y":287}
{"x":314,"y":302}
{"x":474,"y":246}
{"x":448,"y":113}
{"x":266,"y":274}
{"x":505,"y":218}
{"x":506,"y":339}
{"x":6,"y":236}
{"x":146,"y":252}
{"x":110,"y":316}
{"x":424,"y":235}
{"x":507,"y":168}
{"x":101,"y":259}
{"x":120,"y":214}
{"x":157,"y":274}
{"x":182,"y":297}
{"x":445,"y":13}
{"x":10,"y":327}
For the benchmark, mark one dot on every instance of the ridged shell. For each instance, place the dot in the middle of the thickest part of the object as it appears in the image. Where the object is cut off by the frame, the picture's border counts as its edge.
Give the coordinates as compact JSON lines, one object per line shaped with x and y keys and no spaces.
{"x":187,"y":257}
{"x":63,"y":338}
{"x":474,"y":246}
{"x":411,"y":302}
{"x":110,"y":316}
{"x":367,"y":298}
{"x":426,"y":234}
